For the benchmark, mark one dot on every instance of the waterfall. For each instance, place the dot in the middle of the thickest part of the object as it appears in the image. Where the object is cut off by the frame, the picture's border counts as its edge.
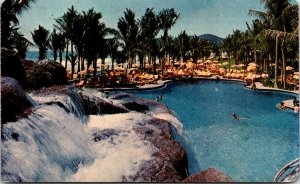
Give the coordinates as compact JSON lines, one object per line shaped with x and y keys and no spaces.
{"x":50,"y":143}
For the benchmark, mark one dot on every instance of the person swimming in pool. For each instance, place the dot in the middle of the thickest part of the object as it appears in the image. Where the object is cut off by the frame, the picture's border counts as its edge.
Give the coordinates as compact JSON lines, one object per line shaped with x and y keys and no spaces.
{"x":234,"y":116}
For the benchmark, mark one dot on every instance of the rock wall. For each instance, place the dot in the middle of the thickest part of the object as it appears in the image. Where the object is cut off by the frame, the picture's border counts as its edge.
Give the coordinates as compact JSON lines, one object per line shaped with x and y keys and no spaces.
{"x":30,"y":74}
{"x":13,"y":100}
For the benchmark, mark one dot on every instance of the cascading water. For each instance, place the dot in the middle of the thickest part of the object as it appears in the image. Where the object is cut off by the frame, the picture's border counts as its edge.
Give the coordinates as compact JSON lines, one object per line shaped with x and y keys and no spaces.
{"x":58,"y":142}
{"x":49,"y":144}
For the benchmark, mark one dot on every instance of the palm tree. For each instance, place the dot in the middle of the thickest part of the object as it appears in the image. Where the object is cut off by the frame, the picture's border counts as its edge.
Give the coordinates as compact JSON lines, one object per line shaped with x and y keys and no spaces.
{"x":61,"y":46}
{"x":66,"y":25}
{"x":113,"y":45}
{"x":183,"y":41}
{"x":272,"y":19}
{"x":77,"y":39}
{"x":40,"y":37}
{"x":255,"y":30}
{"x":168,"y":18}
{"x":10,"y":9}
{"x":54,"y":43}
{"x":129,"y":30}
{"x":93,"y":38}
{"x":22,"y":44}
{"x":149,"y":25}
{"x":195,"y":48}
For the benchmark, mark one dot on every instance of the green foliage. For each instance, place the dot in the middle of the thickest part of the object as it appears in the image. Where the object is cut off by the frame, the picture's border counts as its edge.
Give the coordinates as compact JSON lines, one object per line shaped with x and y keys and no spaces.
{"x":40,"y":37}
{"x":268,"y":82}
{"x":10,"y":9}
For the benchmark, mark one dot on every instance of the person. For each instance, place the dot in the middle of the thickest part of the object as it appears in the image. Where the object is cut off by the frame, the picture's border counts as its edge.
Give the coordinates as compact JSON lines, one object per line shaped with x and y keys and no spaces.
{"x":157,"y":98}
{"x":295,"y":101}
{"x":253,"y":85}
{"x":161,"y":97}
{"x":296,"y":109}
{"x":234,"y":116}
{"x":282,"y":106}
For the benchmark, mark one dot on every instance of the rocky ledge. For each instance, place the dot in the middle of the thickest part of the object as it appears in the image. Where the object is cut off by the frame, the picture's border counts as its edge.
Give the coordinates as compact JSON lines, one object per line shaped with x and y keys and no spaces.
{"x":169,"y":162}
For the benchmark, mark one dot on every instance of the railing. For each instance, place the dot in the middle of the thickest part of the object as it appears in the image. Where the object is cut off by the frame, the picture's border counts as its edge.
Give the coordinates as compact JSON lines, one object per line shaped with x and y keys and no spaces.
{"x":291,"y":169}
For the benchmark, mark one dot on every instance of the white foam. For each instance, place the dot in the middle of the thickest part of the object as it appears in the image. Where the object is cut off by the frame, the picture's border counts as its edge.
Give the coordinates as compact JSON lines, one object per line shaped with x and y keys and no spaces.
{"x":172,"y":119}
{"x":120,"y":156}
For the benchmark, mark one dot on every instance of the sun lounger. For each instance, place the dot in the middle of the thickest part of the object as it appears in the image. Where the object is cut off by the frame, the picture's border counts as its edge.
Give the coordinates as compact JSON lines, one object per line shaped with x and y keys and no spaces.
{"x":80,"y":84}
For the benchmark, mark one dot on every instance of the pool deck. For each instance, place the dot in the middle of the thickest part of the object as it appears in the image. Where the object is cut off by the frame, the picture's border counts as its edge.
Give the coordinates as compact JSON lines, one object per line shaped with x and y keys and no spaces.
{"x":259,"y":86}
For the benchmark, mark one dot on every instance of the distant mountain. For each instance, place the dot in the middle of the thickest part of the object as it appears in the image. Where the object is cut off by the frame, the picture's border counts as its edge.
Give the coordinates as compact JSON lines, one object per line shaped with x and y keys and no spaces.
{"x":211,"y":38}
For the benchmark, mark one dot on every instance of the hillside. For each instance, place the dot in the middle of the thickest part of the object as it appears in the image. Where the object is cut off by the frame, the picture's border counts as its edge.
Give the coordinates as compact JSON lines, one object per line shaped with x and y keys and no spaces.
{"x":211,"y":38}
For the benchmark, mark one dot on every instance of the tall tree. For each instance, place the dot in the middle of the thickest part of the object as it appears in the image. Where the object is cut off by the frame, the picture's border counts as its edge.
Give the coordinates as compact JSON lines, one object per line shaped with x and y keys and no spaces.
{"x":183,"y":41}
{"x":40,"y":37}
{"x":10,"y":9}
{"x":54,"y":43}
{"x":149,"y":25}
{"x":66,"y":25}
{"x":273,"y":19}
{"x":93,"y":39}
{"x":22,"y":44}
{"x":168,"y":18}
{"x":129,"y":30}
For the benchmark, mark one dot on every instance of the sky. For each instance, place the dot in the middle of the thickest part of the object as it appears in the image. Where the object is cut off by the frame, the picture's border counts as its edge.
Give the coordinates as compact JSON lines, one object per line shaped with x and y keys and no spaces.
{"x":218,"y":17}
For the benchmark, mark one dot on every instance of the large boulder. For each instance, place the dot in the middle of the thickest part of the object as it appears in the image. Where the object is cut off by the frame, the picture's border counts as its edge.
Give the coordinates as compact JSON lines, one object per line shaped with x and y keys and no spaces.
{"x":13,"y":99}
{"x":36,"y":76}
{"x":95,"y":105}
{"x":58,"y":72}
{"x":207,"y":176}
{"x":169,"y":163}
{"x":11,"y":65}
{"x":133,"y":106}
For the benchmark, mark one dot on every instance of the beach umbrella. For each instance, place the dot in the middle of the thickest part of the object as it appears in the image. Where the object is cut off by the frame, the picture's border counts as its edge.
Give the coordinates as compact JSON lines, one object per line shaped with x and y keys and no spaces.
{"x":215,"y":61}
{"x":241,"y":65}
{"x":82,"y":72}
{"x":119,"y":69}
{"x":296,"y":73}
{"x":91,"y":69}
{"x":199,"y":61}
{"x":149,"y":66}
{"x":252,"y":64}
{"x":289,"y":68}
{"x":225,"y":63}
{"x":135,"y":65}
{"x":251,"y":68}
{"x":190,"y":65}
{"x":208,"y":61}
{"x":234,"y":66}
{"x":296,"y":77}
{"x":222,"y":70}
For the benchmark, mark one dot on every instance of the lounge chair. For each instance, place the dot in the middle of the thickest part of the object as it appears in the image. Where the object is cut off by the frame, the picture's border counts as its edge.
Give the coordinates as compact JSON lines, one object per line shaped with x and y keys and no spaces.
{"x":80,"y":84}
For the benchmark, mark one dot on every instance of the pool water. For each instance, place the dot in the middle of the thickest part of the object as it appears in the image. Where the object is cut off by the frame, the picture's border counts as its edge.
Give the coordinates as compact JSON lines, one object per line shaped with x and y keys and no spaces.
{"x":250,"y":150}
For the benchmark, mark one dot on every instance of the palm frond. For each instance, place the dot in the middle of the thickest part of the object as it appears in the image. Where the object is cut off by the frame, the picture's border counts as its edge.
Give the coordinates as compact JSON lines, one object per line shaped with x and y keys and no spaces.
{"x":281,"y":35}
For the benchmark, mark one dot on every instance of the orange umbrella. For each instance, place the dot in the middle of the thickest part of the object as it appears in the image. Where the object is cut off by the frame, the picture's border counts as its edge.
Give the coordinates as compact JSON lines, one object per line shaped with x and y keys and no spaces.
{"x":251,"y":68}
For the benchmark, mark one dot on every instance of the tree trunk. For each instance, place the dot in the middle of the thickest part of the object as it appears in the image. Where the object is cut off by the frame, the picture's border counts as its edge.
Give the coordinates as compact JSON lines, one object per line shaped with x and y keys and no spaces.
{"x":95,"y":66}
{"x":72,"y":60}
{"x":276,"y":63}
{"x":60,"y":56}
{"x":255,"y":57}
{"x":67,"y":52}
{"x":82,"y":63}
{"x":55,"y":55}
{"x":78,"y":63}
{"x":283,"y":65}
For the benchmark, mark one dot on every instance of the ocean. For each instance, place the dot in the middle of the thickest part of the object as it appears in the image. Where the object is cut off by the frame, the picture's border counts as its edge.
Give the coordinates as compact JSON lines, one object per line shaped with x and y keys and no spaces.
{"x":34,"y":55}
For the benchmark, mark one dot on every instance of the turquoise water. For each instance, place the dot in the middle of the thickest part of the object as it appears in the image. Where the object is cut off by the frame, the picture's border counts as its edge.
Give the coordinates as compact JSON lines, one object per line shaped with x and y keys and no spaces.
{"x":250,"y":150}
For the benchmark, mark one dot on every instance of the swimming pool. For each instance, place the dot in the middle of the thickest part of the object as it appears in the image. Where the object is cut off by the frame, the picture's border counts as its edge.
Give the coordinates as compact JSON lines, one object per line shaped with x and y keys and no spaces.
{"x":250,"y":150}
